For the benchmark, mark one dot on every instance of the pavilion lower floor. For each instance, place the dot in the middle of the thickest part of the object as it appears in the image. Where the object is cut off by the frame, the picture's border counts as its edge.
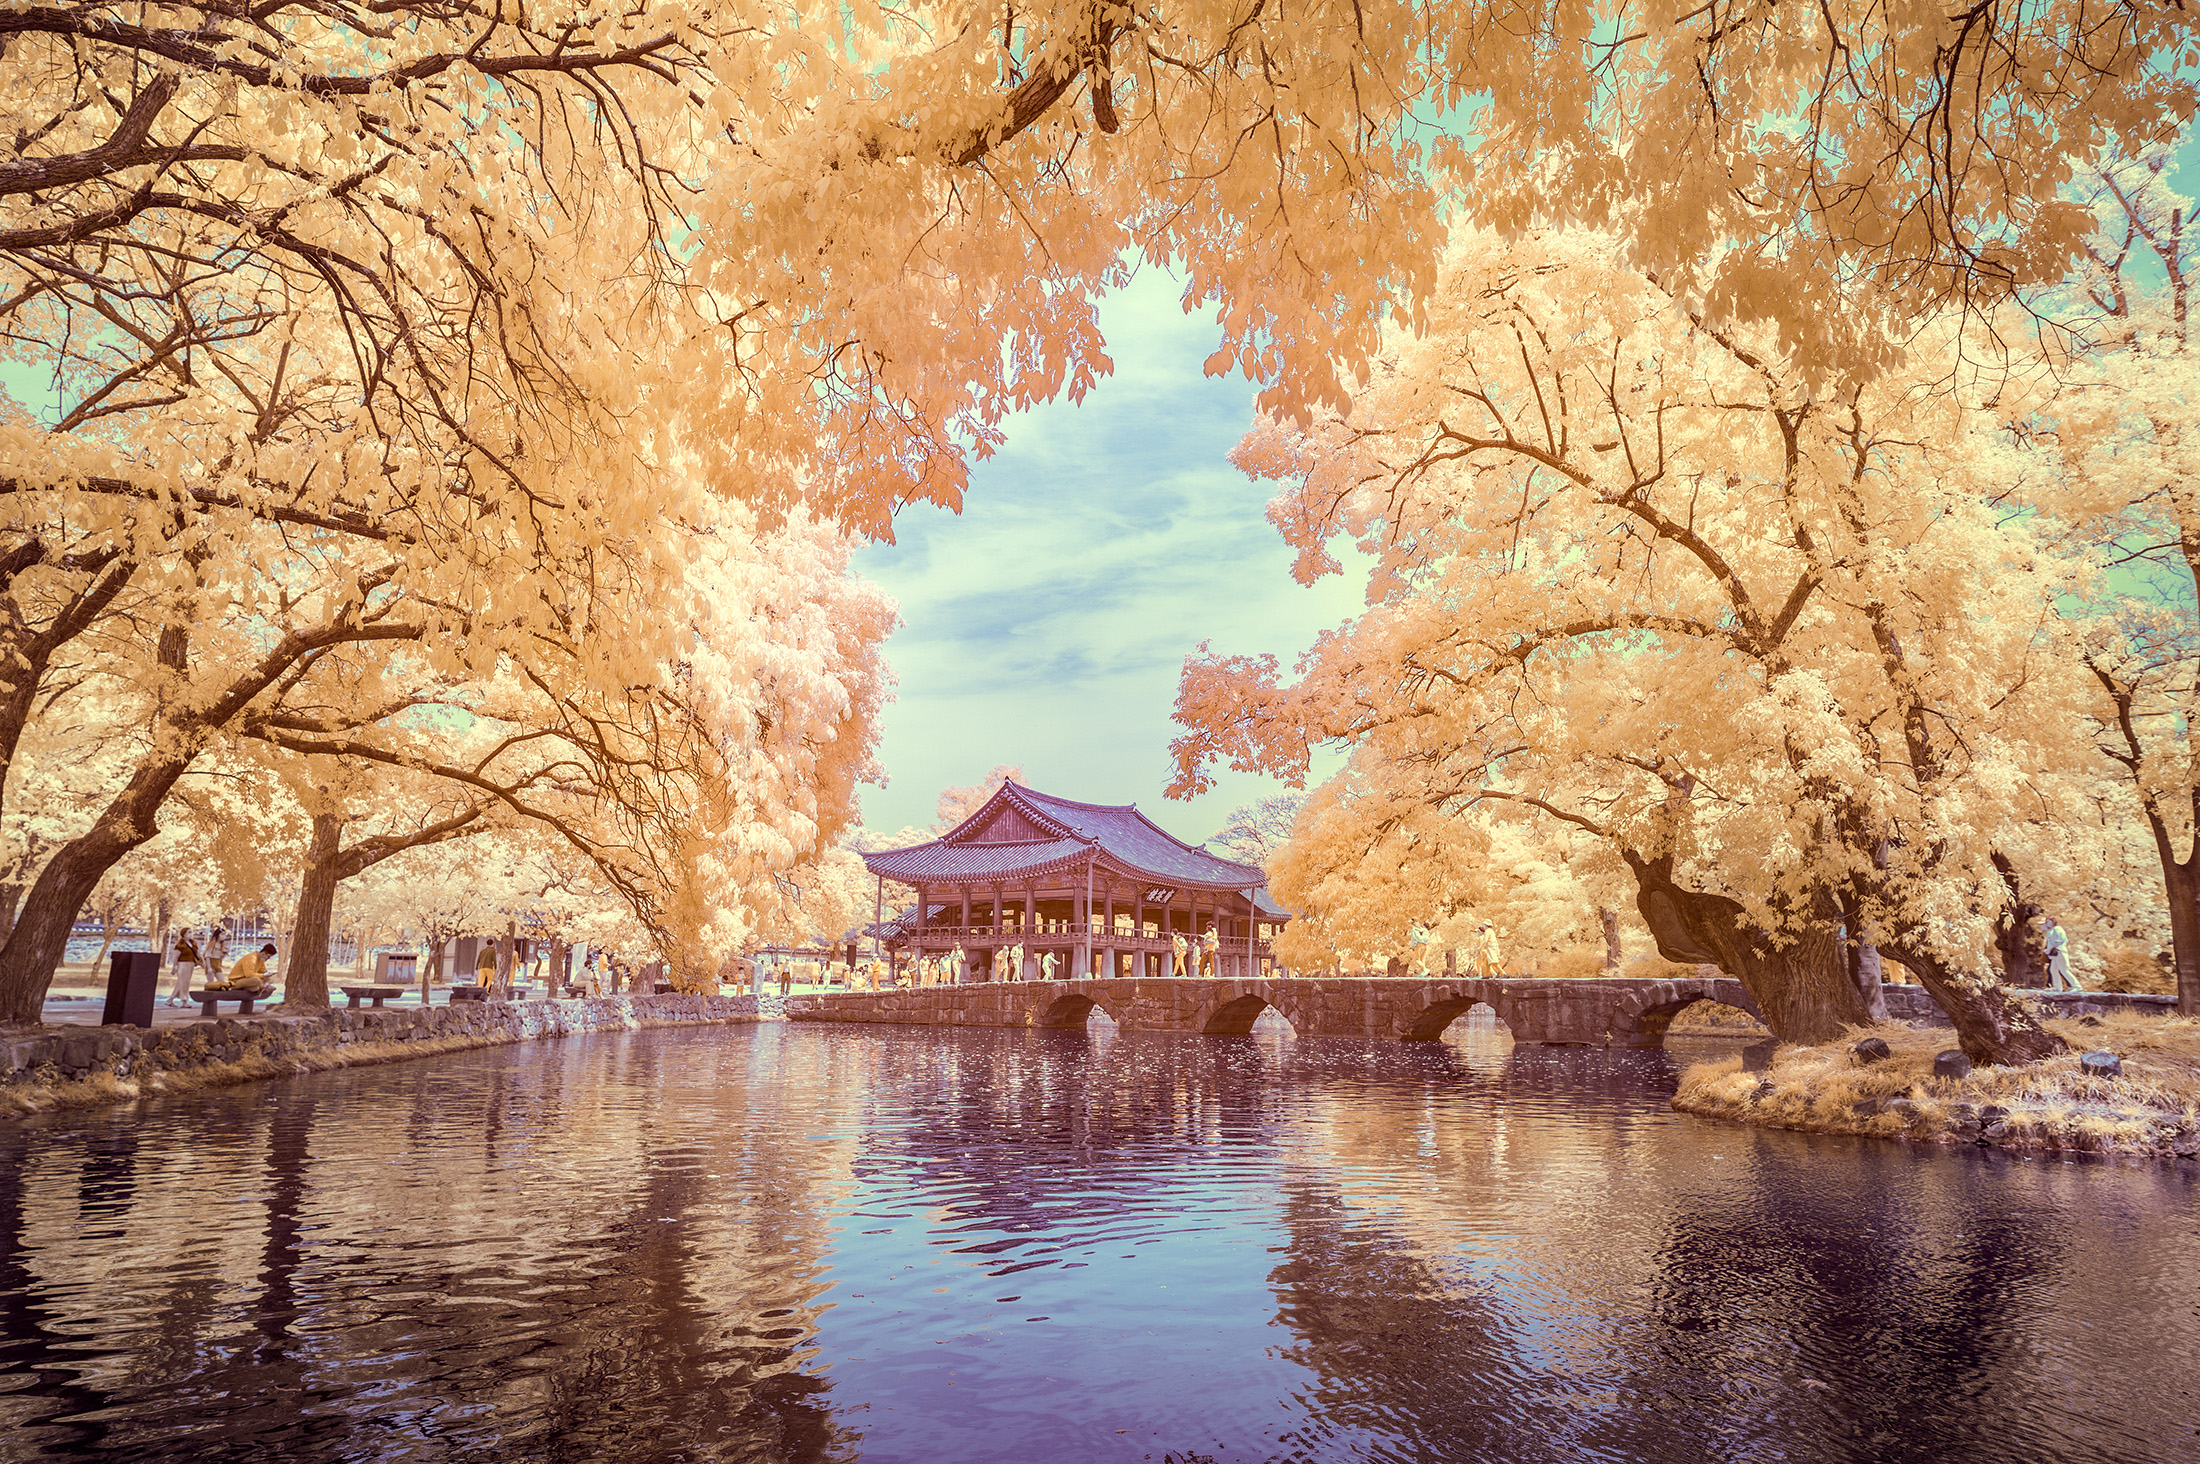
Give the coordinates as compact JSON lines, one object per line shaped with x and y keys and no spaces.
{"x":1059,"y":952}
{"x":1095,"y":922}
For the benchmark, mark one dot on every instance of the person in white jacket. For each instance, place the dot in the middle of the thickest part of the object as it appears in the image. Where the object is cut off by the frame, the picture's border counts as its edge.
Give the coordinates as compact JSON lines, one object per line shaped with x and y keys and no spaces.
{"x":2056,"y":943}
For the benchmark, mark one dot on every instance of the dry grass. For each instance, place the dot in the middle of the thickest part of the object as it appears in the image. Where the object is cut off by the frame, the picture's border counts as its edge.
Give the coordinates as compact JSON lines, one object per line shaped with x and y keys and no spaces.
{"x":1650,"y":966}
{"x":2129,"y":968}
{"x":1575,"y":963}
{"x":1716,"y":1018}
{"x":2051,"y":1104}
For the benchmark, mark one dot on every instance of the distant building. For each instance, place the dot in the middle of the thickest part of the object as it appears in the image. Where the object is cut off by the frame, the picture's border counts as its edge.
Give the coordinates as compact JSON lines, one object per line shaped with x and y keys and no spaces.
{"x":1099,"y":885}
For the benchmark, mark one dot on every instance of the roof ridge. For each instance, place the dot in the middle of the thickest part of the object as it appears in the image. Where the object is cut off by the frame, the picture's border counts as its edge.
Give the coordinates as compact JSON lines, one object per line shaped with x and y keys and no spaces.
{"x":1023,"y":798}
{"x":1074,"y":802}
{"x":1135,"y":812}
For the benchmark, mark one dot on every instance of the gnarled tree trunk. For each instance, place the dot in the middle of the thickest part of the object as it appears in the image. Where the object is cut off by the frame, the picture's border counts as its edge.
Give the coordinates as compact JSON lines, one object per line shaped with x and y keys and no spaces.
{"x":1804,"y":988}
{"x":1993,"y":1025}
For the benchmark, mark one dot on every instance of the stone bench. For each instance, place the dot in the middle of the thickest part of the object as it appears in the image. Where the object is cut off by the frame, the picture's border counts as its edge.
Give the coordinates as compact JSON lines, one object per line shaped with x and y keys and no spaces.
{"x":377,"y":994}
{"x":209,"y":1001}
{"x":469,"y":993}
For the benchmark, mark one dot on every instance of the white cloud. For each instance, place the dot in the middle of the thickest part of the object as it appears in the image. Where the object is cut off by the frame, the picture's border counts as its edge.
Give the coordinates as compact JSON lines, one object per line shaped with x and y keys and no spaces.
{"x":1046,"y":624}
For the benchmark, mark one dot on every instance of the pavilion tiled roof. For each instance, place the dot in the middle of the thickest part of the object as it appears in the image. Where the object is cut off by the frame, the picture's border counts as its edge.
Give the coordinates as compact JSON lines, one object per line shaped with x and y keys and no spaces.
{"x":940,"y":862}
{"x":1118,"y":832}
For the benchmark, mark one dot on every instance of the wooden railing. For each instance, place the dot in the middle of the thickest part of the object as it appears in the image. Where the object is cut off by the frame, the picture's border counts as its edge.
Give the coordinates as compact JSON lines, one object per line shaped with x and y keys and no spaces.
{"x":1059,"y":935}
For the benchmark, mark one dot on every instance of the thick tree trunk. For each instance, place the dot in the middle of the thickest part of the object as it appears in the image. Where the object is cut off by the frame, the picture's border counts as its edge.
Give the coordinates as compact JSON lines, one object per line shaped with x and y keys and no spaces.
{"x":41,"y":933}
{"x":1610,"y":921}
{"x":430,"y":971}
{"x":1803,"y":989}
{"x":2181,"y":879}
{"x":1993,"y":1025}
{"x":305,"y":964}
{"x":2021,"y":962}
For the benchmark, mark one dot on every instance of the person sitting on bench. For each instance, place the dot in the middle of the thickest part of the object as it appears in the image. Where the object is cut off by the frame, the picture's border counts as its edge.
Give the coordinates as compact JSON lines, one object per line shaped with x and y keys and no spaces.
{"x":249,"y":974}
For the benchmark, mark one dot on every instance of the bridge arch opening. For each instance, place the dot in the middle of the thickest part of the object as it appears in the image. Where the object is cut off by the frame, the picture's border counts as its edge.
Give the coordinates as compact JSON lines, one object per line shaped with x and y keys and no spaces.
{"x":1707,"y":1017}
{"x":1469,"y":1014}
{"x":1077,"y":1011}
{"x":1248,"y":1013}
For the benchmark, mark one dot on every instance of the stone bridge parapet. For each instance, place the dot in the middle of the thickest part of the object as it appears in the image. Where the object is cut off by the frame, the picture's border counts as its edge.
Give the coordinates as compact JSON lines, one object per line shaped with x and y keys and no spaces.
{"x":1609,"y":1012}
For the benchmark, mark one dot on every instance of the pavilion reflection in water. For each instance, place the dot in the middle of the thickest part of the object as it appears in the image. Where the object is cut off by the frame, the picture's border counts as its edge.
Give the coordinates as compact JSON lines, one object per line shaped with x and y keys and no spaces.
{"x":1099,"y":886}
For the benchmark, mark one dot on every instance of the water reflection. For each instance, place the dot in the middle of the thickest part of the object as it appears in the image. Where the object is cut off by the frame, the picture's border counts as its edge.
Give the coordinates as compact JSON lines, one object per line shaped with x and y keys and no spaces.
{"x":905,"y":1244}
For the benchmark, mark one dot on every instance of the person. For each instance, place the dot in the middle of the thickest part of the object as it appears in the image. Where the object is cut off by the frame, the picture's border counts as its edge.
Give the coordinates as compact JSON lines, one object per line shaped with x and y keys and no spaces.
{"x":1177,"y":950}
{"x":187,"y":966}
{"x":485,"y":967}
{"x":786,"y":974}
{"x":217,"y":953}
{"x":1488,"y":960}
{"x":1210,"y":952}
{"x":958,"y":965}
{"x":2056,"y":944}
{"x":249,"y":974}
{"x":1046,"y":966}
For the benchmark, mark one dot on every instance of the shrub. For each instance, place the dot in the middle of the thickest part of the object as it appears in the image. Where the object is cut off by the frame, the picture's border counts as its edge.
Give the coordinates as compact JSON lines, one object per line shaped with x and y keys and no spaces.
{"x":2128,"y":968}
{"x":1575,"y":963}
{"x":1650,"y":966}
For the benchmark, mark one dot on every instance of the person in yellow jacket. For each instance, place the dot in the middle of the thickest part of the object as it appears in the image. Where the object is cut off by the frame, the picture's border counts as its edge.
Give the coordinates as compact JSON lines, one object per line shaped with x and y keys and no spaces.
{"x":1486,"y":958}
{"x":1210,"y":952}
{"x":1179,"y":947}
{"x":249,"y":974}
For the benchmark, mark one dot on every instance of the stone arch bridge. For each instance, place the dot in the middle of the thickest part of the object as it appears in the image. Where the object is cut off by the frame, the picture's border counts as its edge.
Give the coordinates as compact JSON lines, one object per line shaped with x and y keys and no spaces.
{"x":1613,"y":1012}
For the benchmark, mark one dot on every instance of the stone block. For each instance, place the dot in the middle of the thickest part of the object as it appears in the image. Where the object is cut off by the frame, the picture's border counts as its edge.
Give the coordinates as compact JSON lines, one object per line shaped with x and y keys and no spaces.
{"x":1951,"y":1063}
{"x":2102,"y":1065}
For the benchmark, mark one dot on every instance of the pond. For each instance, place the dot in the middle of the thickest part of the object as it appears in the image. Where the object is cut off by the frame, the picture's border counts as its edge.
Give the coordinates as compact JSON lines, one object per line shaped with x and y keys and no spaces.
{"x":787,"y":1242}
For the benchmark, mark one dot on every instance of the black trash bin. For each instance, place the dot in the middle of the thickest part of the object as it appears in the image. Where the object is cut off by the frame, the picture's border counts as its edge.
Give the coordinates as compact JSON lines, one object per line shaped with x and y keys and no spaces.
{"x":133,"y":981}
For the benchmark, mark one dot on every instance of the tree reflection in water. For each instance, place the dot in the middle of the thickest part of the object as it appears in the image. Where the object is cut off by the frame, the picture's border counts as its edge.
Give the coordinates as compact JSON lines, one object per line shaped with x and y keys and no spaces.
{"x":795,"y":1244}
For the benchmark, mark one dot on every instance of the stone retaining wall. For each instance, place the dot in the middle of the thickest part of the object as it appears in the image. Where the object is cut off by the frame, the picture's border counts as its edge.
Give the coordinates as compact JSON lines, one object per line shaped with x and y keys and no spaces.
{"x":1916,"y":1004}
{"x":39,"y":1068}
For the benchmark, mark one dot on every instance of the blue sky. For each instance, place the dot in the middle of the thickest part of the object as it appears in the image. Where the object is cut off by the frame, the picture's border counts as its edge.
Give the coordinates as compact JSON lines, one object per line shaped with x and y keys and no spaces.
{"x":1045,"y":625}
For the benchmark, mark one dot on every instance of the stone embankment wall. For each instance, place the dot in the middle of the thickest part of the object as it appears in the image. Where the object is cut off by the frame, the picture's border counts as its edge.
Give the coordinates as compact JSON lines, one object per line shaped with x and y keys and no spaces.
{"x":1916,"y":1004}
{"x":57,"y":1067}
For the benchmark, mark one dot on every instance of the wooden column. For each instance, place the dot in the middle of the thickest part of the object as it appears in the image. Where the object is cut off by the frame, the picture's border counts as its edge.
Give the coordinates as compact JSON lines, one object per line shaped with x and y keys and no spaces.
{"x":1084,"y":921}
{"x":1138,"y":928}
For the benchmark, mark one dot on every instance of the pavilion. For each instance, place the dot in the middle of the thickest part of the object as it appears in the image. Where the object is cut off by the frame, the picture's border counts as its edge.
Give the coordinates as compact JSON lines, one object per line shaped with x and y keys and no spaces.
{"x":1098,"y":885}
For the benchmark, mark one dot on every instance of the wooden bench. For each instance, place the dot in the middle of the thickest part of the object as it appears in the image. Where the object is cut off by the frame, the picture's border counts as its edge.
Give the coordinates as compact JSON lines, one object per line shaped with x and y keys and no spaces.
{"x":354,"y":994}
{"x":209,"y":1001}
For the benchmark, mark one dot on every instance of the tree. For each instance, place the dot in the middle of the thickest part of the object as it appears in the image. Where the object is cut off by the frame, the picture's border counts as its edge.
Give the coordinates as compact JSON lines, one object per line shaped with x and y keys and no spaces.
{"x":2123,"y":422}
{"x":1371,"y":864}
{"x":960,"y":801}
{"x":1255,"y":832}
{"x":399,"y":324}
{"x":1782,"y":651}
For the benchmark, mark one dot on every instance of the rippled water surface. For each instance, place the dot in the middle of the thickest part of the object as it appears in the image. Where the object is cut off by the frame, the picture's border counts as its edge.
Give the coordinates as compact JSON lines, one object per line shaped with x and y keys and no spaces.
{"x":810,"y":1243}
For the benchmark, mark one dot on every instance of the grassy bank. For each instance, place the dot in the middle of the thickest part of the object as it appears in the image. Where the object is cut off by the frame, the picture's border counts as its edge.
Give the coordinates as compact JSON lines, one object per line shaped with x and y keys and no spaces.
{"x":47,"y":1068}
{"x":2153,"y":1108}
{"x":53,"y":1092}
